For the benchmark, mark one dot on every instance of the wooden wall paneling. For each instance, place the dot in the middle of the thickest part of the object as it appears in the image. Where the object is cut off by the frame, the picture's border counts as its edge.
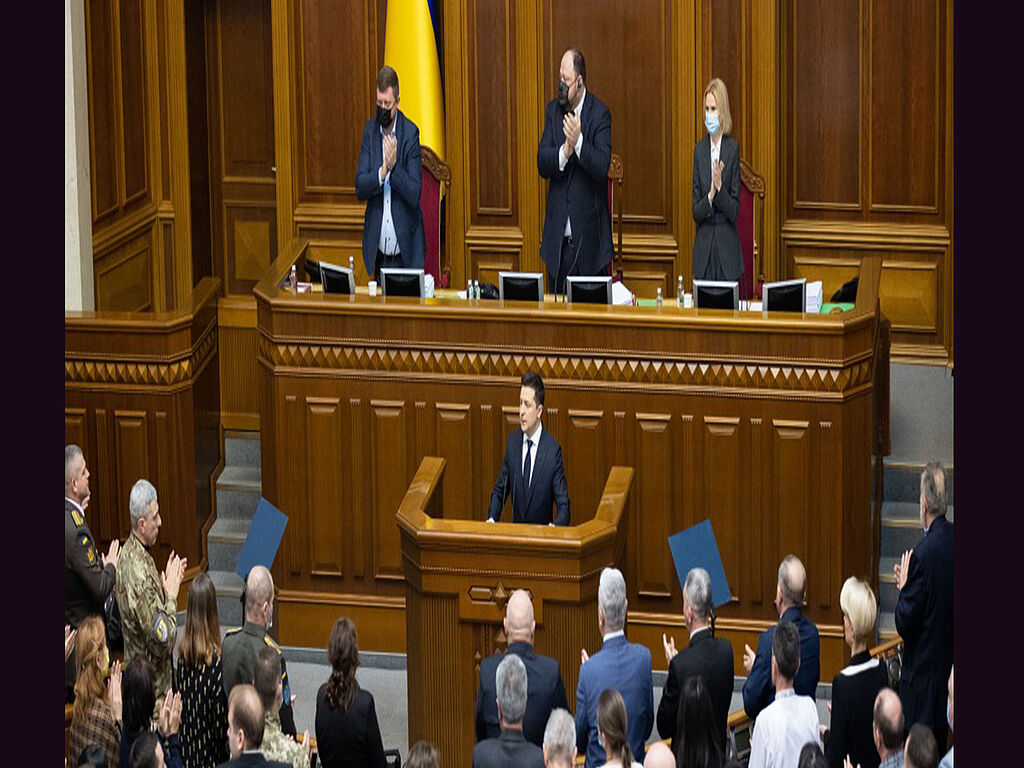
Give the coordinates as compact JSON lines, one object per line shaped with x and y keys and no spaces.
{"x":283,"y":53}
{"x":722,"y":478}
{"x":653,"y":489}
{"x":824,"y":542}
{"x":123,"y":276}
{"x":726,"y":53}
{"x":356,"y":490}
{"x":131,"y":446}
{"x":391,"y":474}
{"x":239,"y":370}
{"x":752,"y":578}
{"x":327,"y":478}
{"x":455,"y":441}
{"x":763,"y":145}
{"x":791,"y":457}
{"x":585,"y":444}
{"x":454,"y":79}
{"x":135,"y":145}
{"x":906,"y":71}
{"x":294,"y":492}
{"x":102,"y":485}
{"x":103,"y":69}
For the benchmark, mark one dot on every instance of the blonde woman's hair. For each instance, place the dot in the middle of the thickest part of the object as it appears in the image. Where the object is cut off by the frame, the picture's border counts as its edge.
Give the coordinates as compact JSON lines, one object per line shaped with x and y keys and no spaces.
{"x":857,"y":601}
{"x":90,"y":645}
{"x":717,"y":88}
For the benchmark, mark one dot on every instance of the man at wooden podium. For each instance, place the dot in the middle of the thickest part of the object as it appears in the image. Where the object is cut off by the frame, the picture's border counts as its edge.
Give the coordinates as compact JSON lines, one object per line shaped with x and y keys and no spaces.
{"x":532,"y":469}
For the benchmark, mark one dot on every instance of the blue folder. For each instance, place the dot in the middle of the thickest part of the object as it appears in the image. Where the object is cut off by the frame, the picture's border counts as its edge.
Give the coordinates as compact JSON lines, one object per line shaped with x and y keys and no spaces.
{"x":695,"y":547}
{"x":263,"y":539}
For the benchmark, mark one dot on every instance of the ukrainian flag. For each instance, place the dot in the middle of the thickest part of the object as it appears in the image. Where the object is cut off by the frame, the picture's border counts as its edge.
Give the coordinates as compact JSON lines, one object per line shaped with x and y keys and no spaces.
{"x":410,"y":47}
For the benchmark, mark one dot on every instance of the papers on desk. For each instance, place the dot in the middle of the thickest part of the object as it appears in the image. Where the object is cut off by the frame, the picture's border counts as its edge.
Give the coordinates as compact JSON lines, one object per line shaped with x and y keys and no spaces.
{"x":621,"y":295}
{"x":814,"y":297}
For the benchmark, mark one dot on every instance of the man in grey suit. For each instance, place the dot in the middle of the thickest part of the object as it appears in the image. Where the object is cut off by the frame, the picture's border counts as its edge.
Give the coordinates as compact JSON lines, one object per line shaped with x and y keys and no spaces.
{"x":511,"y":749}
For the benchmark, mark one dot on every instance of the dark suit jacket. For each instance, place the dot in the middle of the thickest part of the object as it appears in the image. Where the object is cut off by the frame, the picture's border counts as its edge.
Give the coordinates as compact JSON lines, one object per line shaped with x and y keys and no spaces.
{"x":510,"y":750}
{"x":758,"y":691}
{"x":348,"y":739}
{"x":626,"y":667}
{"x":241,"y":648}
{"x":580,"y":192}
{"x":545,"y":692}
{"x":853,"y":705}
{"x":533,"y":504}
{"x":716,"y":221}
{"x":406,"y":182}
{"x":711,"y":658}
{"x":924,"y":619}
{"x":252,"y":760}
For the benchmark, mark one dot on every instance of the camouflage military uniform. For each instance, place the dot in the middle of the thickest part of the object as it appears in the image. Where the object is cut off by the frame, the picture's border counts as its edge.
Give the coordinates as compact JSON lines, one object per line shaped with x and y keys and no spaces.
{"x":277,"y":746}
{"x":148,"y":615}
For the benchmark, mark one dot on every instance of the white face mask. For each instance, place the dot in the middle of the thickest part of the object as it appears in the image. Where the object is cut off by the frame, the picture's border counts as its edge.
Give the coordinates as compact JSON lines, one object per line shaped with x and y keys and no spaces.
{"x":270,"y":617}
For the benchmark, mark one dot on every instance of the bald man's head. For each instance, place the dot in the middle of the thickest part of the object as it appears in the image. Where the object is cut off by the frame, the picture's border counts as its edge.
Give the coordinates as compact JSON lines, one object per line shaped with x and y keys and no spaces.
{"x":519,"y":623}
{"x":888,"y":722}
{"x":259,"y":596}
{"x":659,"y":756}
{"x":792,"y":582}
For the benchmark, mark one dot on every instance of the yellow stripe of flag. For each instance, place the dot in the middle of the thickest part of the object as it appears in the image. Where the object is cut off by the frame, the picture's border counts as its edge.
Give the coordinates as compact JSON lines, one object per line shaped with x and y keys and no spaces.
{"x":409,"y":47}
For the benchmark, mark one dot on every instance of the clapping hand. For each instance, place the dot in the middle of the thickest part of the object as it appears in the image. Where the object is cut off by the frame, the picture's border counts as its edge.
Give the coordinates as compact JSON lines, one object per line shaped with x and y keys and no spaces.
{"x":901,"y":569}
{"x":716,"y":176}
{"x":670,"y":648}
{"x":583,"y":656}
{"x":170,"y":714}
{"x":571,"y":129}
{"x":112,"y":553}
{"x":848,"y":764}
{"x":748,"y":657}
{"x":114,"y":690}
{"x":173,"y":574}
{"x":390,"y":151}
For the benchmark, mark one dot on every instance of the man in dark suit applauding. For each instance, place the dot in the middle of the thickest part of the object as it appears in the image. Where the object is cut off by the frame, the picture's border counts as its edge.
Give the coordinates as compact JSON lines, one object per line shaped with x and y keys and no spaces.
{"x":245,"y":730}
{"x":510,"y":749}
{"x":574,"y":153}
{"x":707,"y":656}
{"x":532,"y":469}
{"x":545,"y":690}
{"x":924,"y":610}
{"x":389,"y":178}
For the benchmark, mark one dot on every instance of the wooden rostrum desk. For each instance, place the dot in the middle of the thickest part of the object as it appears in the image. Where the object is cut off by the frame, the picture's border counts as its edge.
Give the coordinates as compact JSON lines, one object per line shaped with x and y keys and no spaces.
{"x":764,"y":423}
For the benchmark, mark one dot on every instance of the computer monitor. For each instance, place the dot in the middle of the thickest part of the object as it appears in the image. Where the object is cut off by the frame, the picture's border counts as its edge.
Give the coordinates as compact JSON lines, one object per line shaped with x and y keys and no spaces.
{"x":786,"y":296}
{"x":589,"y":290}
{"x":395,"y":281}
{"x":521,"y":286}
{"x":312,"y":270}
{"x":337,"y":279}
{"x":716,"y":294}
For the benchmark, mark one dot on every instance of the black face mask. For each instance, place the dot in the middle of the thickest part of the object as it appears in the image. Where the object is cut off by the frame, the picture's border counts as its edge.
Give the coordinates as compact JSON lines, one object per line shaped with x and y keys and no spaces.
{"x":563,"y":96}
{"x":383,"y":117}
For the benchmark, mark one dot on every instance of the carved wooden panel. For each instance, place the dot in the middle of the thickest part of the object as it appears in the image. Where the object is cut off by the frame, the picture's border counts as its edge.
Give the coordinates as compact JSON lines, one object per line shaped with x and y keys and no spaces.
{"x":327,"y":477}
{"x":654,"y":492}
{"x":453,"y":424}
{"x":791,"y":506}
{"x":239,"y":380}
{"x":131,"y":448}
{"x":726,"y":53}
{"x":722,"y":477}
{"x":824,"y":107}
{"x":358,"y":491}
{"x":76,"y":430}
{"x":584,"y":452}
{"x":295,"y":487}
{"x":133,"y":106}
{"x":103,"y":107}
{"x":391,"y":474}
{"x":123,"y":277}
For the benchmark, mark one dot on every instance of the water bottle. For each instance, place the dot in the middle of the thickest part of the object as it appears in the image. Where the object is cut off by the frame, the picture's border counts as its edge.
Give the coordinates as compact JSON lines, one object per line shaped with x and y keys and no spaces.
{"x":680,"y":293}
{"x":352,"y":264}
{"x":293,"y":279}
{"x":476,"y":290}
{"x":659,"y":301}
{"x":469,"y":290}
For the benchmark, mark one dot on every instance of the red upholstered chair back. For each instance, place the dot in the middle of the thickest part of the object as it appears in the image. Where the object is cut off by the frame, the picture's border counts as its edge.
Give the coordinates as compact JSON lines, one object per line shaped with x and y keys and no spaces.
{"x":615,"y":199}
{"x":436,"y":179}
{"x":750,"y":228}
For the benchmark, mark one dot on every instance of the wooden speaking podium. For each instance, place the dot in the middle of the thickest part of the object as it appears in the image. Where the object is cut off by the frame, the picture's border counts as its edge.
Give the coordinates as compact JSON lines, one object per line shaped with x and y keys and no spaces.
{"x":460,"y":573}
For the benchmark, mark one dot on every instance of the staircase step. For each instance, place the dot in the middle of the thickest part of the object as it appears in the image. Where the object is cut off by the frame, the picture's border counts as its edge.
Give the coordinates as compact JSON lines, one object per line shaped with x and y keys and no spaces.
{"x":238,"y":492}
{"x":239,"y":478}
{"x":224,"y":542}
{"x":241,"y":449}
{"x":229,"y":592}
{"x":886,"y":626}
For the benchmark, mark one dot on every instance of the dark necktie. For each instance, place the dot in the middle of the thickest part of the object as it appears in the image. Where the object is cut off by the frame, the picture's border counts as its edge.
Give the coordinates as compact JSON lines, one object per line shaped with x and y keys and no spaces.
{"x":527,"y":465}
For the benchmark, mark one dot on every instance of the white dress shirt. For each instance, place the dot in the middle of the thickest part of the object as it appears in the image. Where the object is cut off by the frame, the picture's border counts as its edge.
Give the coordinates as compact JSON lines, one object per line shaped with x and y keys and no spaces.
{"x":533,"y":451}
{"x":563,"y":160}
{"x":388,"y":237}
{"x":782,"y":729}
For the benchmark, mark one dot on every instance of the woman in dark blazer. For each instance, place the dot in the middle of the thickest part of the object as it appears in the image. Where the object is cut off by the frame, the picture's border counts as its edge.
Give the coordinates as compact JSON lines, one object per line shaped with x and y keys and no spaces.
{"x":854,"y":689}
{"x":717,"y":254}
{"x":347,"y":733}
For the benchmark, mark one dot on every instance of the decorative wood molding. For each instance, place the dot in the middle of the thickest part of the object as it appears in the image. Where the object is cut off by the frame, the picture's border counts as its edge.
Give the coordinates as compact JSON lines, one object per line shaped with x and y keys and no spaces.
{"x":877,"y":236}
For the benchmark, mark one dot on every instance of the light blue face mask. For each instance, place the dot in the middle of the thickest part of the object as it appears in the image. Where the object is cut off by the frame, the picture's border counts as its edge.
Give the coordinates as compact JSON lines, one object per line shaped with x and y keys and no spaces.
{"x":711,"y":122}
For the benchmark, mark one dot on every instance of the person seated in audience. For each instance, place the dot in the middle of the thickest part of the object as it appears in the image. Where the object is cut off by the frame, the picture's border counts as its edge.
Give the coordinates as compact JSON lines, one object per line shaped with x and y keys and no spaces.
{"x":697,"y":741}
{"x":277,"y":746}
{"x":811,"y":756}
{"x":659,"y":756}
{"x":146,"y":752}
{"x":199,"y":678}
{"x":92,"y":756}
{"x":947,"y":761}
{"x":705,"y":655}
{"x":619,"y":664}
{"x":611,"y":724}
{"x":510,"y":748}
{"x":97,"y":712}
{"x":921,"y":750}
{"x":545,"y":690}
{"x":242,"y":645}
{"x":887,"y":728}
{"x":422,"y":755}
{"x":156,"y":750}
{"x":138,"y":698}
{"x":347,"y":733}
{"x":854,"y":689}
{"x":789,"y":722}
{"x":790,"y":589}
{"x":560,"y":740}
{"x":245,"y":729}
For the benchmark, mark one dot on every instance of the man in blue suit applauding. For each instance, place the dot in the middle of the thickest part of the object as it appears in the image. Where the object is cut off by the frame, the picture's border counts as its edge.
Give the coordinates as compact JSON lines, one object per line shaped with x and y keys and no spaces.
{"x":619,"y":664}
{"x":389,"y":178}
{"x":531,"y":471}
